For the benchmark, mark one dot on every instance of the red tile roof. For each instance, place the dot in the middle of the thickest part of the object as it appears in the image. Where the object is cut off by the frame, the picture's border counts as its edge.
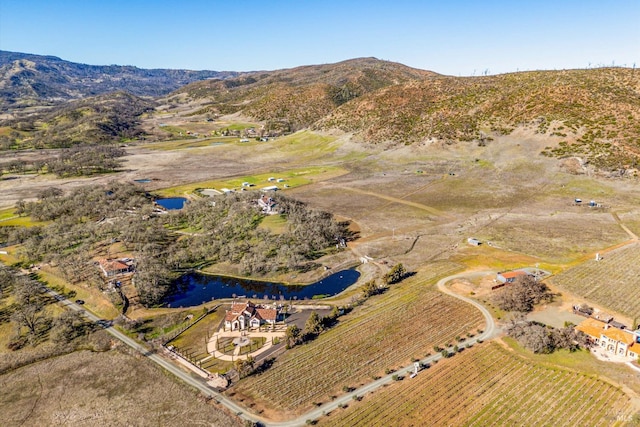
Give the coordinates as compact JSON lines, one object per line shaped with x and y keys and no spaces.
{"x":512,"y":274}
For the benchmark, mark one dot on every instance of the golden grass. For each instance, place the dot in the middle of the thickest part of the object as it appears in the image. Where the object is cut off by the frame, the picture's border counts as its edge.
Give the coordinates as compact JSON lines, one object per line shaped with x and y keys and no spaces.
{"x":8,"y":218}
{"x":85,"y":388}
{"x":94,"y":299}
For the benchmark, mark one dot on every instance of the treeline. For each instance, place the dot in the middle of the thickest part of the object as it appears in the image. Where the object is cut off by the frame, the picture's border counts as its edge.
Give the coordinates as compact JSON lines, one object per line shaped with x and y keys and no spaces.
{"x":89,"y":219}
{"x":79,"y":160}
{"x":313,"y":327}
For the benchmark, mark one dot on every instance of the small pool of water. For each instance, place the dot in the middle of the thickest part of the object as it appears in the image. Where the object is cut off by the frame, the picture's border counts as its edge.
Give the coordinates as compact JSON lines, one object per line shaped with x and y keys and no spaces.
{"x":197,"y":288}
{"x":172,"y":203}
{"x":142,"y":181}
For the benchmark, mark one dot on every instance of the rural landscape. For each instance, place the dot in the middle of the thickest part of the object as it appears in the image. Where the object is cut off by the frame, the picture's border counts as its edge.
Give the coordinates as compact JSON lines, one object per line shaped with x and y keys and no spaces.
{"x":341,"y":244}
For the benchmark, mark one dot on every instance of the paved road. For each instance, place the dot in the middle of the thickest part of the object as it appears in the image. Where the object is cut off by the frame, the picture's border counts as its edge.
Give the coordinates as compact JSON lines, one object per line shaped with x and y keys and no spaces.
{"x":490,"y":330}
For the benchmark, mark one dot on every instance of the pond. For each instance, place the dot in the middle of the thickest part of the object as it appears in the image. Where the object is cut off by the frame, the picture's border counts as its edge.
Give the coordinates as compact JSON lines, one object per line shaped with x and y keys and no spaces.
{"x":172,"y":203}
{"x":198,"y":288}
{"x":142,"y":180}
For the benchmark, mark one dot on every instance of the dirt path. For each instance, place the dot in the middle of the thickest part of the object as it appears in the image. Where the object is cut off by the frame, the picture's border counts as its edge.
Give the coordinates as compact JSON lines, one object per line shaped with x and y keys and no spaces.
{"x":429,"y":209}
{"x":624,"y":227}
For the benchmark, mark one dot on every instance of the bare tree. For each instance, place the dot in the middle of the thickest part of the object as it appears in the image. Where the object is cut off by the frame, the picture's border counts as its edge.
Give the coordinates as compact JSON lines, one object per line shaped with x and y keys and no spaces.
{"x":522,"y":294}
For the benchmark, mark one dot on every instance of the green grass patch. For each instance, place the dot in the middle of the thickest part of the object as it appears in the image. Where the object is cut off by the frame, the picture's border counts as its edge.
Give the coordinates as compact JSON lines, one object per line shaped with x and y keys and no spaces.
{"x":276,"y":224}
{"x":195,"y":337}
{"x":293,"y":178}
{"x":182,"y":144}
{"x":8,"y":218}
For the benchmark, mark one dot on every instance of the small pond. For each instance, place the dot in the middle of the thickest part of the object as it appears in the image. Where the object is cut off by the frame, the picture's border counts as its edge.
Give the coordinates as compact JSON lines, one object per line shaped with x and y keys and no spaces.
{"x":197,"y":288}
{"x":142,"y":180}
{"x":172,"y":203}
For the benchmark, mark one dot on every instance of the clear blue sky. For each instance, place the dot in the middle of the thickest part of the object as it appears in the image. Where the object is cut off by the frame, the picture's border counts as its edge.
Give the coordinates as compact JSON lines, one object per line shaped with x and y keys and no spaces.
{"x":449,"y":37}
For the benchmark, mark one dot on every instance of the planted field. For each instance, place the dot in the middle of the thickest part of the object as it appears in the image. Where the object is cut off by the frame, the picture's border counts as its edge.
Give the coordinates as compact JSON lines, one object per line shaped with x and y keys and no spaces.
{"x":613,"y":282}
{"x":385,"y":333}
{"x":489,"y":385}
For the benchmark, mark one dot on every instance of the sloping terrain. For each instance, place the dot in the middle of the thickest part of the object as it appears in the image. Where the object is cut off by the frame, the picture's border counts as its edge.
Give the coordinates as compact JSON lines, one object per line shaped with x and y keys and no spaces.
{"x":104,"y":118}
{"x":299,"y":96}
{"x":27,"y":79}
{"x":593,"y":113}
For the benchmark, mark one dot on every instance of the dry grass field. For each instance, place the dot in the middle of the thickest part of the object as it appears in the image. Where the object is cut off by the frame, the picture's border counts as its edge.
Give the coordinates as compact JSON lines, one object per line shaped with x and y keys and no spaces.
{"x":387,"y":332}
{"x":489,"y":385}
{"x":98,"y":389}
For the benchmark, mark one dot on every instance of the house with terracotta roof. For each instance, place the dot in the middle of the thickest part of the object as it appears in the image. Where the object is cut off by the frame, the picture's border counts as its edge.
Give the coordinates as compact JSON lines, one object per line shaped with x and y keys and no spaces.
{"x":248,"y":315}
{"x":115,"y":267}
{"x":620,"y":342}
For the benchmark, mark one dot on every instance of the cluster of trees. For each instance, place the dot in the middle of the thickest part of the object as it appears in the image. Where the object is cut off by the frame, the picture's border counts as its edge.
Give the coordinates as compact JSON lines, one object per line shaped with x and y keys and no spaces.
{"x":32,"y":321}
{"x":372,"y":288}
{"x":396,"y":274}
{"x":245,"y":367}
{"x":229,"y":231}
{"x":87,"y":218}
{"x":82,"y":160}
{"x":79,"y":160}
{"x":522,"y":295}
{"x":92,"y":217}
{"x":313,"y":327}
{"x":541,"y":338}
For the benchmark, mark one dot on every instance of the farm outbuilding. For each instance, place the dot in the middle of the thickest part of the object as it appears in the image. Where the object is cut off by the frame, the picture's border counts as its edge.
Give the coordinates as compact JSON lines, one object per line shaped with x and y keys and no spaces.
{"x":473,"y":242}
{"x":510,"y":276}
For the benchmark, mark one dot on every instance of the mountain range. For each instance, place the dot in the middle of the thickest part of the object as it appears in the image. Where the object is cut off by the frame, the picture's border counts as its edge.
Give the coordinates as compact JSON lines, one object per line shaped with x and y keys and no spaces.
{"x":27,"y":80}
{"x":590,"y":113}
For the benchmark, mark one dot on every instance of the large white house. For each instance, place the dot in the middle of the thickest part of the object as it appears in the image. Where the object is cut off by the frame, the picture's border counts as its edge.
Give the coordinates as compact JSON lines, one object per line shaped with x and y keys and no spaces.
{"x":246,"y":315}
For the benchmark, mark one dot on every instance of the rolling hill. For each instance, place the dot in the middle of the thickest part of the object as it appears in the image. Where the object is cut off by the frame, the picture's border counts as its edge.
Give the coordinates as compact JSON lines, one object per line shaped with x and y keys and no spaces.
{"x":111,"y":117}
{"x":299,"y":96}
{"x":591,"y":113}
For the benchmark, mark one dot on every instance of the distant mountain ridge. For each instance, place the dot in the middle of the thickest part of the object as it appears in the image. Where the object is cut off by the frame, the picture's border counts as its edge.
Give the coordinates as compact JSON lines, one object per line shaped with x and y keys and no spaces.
{"x":27,"y":79}
{"x":588,"y":115}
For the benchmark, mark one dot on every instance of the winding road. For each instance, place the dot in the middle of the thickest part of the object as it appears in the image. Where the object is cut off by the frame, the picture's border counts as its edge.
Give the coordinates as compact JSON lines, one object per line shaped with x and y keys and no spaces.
{"x":489,"y":331}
